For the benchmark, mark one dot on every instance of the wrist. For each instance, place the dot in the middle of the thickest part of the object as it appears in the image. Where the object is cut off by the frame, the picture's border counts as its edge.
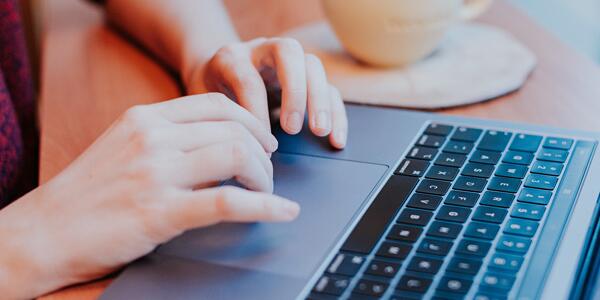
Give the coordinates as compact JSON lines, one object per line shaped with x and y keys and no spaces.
{"x":29,"y":264}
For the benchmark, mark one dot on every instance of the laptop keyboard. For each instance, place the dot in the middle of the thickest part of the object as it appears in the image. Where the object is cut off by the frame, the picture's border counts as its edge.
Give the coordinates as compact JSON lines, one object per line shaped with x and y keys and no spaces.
{"x":457,"y":218}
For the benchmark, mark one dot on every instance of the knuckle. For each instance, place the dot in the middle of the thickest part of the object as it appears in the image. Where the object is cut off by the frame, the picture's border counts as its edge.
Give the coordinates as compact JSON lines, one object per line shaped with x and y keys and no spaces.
{"x":136,"y":114}
{"x":223,"y":201}
{"x":229,"y":52}
{"x":219,"y":100}
{"x":288,"y":45}
{"x":236,"y":129}
{"x":248,"y":82}
{"x":239,"y":154}
{"x":144,"y":138}
{"x":312,"y":59}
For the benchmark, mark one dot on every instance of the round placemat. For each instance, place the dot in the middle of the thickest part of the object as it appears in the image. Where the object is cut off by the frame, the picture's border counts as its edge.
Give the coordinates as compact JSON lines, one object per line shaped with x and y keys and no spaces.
{"x":474,"y":63}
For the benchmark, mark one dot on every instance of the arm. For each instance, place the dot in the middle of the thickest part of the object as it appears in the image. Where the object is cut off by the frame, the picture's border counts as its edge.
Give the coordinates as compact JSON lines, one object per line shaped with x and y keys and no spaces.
{"x":198,"y":40}
{"x":182,"y":33}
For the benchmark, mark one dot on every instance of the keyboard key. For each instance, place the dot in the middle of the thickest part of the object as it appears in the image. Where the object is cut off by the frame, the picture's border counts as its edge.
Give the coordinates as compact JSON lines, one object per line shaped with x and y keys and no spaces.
{"x":489,"y":214}
{"x":495,"y":281}
{"x":370,"y":288}
{"x":455,"y":285}
{"x":345,"y":264}
{"x":394,"y":250}
{"x":519,"y":158}
{"x":558,"y":143}
{"x":521,"y":227}
{"x":382,"y":268}
{"x":434,"y":247}
{"x":412,"y":167}
{"x":478,"y":170}
{"x":505,"y":184}
{"x":506,"y":262}
{"x":453,"y":213}
{"x":425,"y":265}
{"x":458,"y":147}
{"x":372,"y":225}
{"x":466,"y":134}
{"x":444,"y":230}
{"x":405,"y":233}
{"x":415,"y":217}
{"x":472,"y":184}
{"x":526,"y":143}
{"x":473,"y":247}
{"x":528,"y":211}
{"x":513,"y":243}
{"x":485,"y":157}
{"x":461,"y":198}
{"x":499,"y":199}
{"x":438,"y":129}
{"x":424,"y":201}
{"x":553,"y":155}
{"x":431,"y":186}
{"x":546,"y":168}
{"x":442,"y":173}
{"x":450,"y":160}
{"x":330,"y":284}
{"x":433,"y":141}
{"x":414,"y":284}
{"x":464,"y":265}
{"x":541,"y":181}
{"x":509,"y":170}
{"x":480,"y":230}
{"x":494,"y":140}
{"x":317,"y":296}
{"x":424,"y":153}
{"x":486,"y":296}
{"x":535,"y":196}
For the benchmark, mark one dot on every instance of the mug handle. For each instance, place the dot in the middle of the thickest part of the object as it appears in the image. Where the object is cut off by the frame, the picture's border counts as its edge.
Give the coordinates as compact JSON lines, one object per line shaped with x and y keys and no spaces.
{"x":474,"y":8}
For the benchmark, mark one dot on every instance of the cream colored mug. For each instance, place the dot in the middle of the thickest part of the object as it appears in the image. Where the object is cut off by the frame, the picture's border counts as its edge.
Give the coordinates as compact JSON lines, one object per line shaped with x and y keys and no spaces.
{"x":396,"y":32}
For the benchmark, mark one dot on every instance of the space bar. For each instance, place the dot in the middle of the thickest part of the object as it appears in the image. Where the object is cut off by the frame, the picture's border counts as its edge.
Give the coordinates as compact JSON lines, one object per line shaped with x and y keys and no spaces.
{"x":385,"y":206}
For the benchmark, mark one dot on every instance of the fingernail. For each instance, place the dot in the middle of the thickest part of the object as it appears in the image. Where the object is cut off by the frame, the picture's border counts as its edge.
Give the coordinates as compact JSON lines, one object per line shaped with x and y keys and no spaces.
{"x":288,"y":210}
{"x":274,"y":144}
{"x":340,"y":137}
{"x":322,"y":121}
{"x":294,"y":122}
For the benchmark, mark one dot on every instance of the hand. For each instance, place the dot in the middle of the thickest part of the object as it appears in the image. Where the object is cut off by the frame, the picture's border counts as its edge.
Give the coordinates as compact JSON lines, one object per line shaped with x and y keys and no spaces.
{"x":247,"y":70}
{"x":147,"y":179}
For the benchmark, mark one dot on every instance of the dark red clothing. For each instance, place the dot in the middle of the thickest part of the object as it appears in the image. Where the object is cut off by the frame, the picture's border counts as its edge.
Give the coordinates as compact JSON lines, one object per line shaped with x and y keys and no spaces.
{"x":18,"y":131}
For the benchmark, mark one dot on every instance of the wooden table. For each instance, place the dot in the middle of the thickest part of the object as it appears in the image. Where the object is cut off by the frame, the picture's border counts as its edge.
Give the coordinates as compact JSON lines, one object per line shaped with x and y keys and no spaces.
{"x":90,"y":75}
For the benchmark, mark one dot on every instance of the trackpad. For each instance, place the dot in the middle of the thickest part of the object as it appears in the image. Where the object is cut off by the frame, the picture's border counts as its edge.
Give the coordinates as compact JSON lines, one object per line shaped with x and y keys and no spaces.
{"x":330,"y":193}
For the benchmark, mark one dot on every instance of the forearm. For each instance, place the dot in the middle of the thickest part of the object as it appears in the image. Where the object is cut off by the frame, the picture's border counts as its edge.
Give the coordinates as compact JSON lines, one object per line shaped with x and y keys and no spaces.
{"x":183,"y":33}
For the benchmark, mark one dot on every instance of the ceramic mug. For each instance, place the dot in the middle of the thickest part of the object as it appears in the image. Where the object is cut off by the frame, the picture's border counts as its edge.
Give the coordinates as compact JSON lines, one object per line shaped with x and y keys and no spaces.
{"x":396,"y":32}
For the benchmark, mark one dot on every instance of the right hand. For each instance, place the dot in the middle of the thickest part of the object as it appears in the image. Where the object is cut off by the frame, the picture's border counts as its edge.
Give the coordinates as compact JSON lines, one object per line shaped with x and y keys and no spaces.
{"x":147,"y":179}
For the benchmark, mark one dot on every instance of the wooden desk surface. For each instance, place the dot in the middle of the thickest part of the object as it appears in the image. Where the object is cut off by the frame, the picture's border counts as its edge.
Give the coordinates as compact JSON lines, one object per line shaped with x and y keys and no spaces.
{"x":90,"y":75}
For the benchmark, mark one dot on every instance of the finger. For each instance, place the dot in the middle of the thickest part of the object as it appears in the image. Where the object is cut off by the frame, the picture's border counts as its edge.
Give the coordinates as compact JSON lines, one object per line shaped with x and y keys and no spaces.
{"x":214,"y":107}
{"x":222,"y":161}
{"x":319,"y":97}
{"x":339,"y":132}
{"x":235,"y":67}
{"x":288,"y":60}
{"x":192,"y":136}
{"x":230,"y":204}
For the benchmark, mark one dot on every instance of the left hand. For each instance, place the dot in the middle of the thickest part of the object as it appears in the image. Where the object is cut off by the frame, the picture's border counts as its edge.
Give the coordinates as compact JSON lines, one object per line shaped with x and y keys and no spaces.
{"x":246,"y":70}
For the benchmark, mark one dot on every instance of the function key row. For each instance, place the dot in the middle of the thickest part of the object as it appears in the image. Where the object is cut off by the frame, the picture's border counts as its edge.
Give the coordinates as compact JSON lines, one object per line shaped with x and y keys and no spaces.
{"x":494,"y":140}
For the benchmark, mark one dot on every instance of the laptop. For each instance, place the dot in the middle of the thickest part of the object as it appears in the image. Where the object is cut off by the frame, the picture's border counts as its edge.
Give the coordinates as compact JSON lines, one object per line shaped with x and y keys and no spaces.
{"x":418,"y":206}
